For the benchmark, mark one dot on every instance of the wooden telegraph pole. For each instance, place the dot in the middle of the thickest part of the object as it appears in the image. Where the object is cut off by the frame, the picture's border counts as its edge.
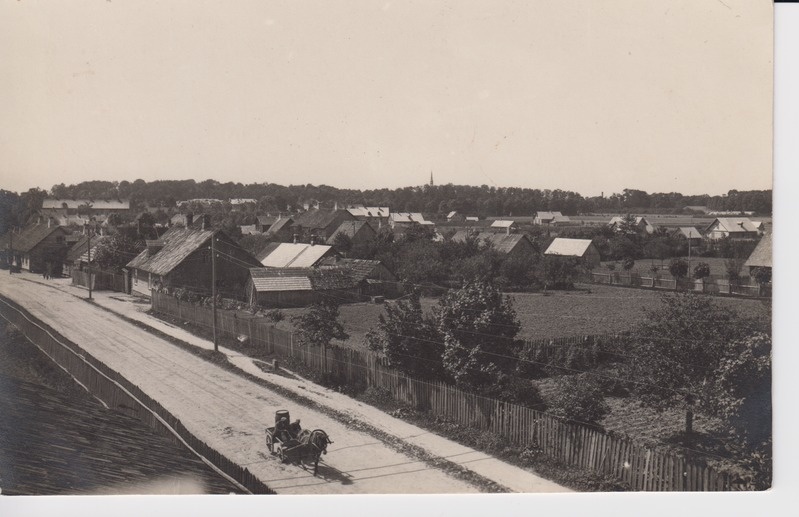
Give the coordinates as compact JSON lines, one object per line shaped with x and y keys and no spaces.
{"x":89,"y":260}
{"x":213,"y":288}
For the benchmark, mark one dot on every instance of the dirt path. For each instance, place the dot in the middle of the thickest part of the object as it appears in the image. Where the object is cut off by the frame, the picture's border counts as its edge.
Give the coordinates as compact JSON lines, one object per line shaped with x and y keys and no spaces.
{"x":506,"y":475}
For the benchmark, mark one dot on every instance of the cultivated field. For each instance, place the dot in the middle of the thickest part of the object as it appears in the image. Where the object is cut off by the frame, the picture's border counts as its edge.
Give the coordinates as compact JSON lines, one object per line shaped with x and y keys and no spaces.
{"x":596,"y":309}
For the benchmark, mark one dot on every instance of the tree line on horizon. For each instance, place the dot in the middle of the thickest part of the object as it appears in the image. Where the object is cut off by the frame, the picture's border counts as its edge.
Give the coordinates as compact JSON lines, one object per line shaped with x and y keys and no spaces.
{"x":483,"y":201}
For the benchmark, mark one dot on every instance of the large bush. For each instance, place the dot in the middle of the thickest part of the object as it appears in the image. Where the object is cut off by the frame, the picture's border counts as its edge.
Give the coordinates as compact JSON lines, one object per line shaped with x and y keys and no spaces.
{"x":579,"y":398}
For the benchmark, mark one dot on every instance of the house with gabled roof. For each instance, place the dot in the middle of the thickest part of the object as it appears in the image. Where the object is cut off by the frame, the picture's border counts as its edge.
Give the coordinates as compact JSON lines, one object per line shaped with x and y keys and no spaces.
{"x":642,"y":226}
{"x":293,"y":255}
{"x":732,"y":228}
{"x":358,"y":232}
{"x":550,"y":218}
{"x":281,"y":230}
{"x":399,"y":220}
{"x":582,"y":249}
{"x":514,"y":244}
{"x":181,"y":258}
{"x":762,"y":254}
{"x":455,"y":216}
{"x":690,"y":234}
{"x":506,"y":225}
{"x":37,"y":248}
{"x":319,"y":224}
{"x":80,"y":255}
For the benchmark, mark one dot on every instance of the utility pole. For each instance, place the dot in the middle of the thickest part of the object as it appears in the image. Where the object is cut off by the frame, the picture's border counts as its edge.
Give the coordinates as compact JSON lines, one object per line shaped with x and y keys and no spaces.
{"x":213,"y":288}
{"x":89,"y":261}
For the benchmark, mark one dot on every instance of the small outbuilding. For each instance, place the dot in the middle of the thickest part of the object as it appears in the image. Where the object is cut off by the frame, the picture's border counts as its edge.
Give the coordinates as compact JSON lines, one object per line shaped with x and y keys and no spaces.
{"x":582,"y":249}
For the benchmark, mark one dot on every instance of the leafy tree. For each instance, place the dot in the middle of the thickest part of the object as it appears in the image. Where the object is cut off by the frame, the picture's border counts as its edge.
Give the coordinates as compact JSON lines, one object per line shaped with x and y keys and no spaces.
{"x":342,"y":242}
{"x":579,"y":398}
{"x":623,"y":246}
{"x":409,"y":340}
{"x":744,"y":385}
{"x":560,"y":272}
{"x":733,"y":268}
{"x":678,"y":351}
{"x":702,"y":270}
{"x":628,"y":226}
{"x":478,"y":325}
{"x":115,"y":251}
{"x":678,"y":268}
{"x":762,"y":275}
{"x":627,"y":264}
{"x":319,"y":325}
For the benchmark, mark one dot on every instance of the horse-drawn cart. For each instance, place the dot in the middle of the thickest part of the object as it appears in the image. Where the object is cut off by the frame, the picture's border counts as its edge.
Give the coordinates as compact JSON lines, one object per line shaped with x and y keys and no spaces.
{"x":292,"y":443}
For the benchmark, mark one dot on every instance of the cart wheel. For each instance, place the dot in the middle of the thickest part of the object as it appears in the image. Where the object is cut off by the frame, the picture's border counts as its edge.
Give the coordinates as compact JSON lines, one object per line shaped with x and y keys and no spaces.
{"x":270,"y":444}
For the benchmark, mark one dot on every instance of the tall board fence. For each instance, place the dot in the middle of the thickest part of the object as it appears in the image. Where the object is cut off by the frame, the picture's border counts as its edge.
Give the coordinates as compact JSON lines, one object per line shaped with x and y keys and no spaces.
{"x":100,"y":280}
{"x":117,"y":392}
{"x":642,"y":468}
{"x":710,"y":285}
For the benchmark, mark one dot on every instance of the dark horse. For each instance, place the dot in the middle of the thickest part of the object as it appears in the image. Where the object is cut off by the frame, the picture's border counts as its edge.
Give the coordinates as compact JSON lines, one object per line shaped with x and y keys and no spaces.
{"x":312,"y":445}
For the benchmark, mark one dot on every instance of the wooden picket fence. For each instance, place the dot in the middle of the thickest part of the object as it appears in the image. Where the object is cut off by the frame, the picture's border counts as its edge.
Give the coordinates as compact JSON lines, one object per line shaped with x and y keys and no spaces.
{"x":117,"y":392}
{"x":642,"y":468}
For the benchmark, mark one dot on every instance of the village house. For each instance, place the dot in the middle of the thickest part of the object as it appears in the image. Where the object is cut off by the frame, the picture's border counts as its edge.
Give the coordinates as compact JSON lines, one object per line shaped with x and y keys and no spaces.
{"x":64,"y":209}
{"x":690,"y":234}
{"x":732,"y":228}
{"x":78,"y":256}
{"x":37,"y":248}
{"x":281,"y":230}
{"x":505,"y":226}
{"x":181,"y":258}
{"x":319,"y":224}
{"x":301,"y":287}
{"x":550,"y":219}
{"x":642,"y":226}
{"x":377,"y":216}
{"x":455,"y":217}
{"x":374,"y":278}
{"x":582,"y":249}
{"x":404,"y":220}
{"x":513,"y":244}
{"x":358,"y":232}
{"x":286,"y":254}
{"x":264,"y":222}
{"x":761,"y":255}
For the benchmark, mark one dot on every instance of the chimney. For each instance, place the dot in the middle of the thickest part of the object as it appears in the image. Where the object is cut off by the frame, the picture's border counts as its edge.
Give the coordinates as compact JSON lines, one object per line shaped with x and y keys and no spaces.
{"x":154,"y":246}
{"x":189,"y":219}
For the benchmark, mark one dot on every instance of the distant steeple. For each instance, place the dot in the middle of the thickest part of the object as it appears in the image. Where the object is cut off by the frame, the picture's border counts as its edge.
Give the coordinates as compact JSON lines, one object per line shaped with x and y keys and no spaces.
{"x":431,"y":178}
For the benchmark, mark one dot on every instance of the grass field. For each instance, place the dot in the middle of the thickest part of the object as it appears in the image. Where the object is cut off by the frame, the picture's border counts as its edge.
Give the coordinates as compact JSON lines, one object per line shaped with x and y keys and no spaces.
{"x":596,"y":310}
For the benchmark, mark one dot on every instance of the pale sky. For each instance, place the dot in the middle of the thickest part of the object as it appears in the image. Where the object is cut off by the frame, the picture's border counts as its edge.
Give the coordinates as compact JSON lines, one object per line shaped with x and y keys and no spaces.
{"x":583,"y":95}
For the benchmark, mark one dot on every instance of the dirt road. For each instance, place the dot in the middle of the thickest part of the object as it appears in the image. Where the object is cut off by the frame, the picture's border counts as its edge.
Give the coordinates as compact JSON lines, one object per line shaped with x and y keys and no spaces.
{"x":225,"y":410}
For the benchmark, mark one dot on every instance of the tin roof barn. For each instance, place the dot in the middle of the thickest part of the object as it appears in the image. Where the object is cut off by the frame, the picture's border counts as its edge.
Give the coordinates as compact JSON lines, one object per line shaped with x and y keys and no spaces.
{"x":577,"y":248}
{"x":299,"y":287}
{"x":289,"y":255}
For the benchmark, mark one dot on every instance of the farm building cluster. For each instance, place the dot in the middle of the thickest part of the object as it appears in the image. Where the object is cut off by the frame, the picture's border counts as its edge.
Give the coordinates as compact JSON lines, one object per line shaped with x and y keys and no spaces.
{"x":305,"y":256}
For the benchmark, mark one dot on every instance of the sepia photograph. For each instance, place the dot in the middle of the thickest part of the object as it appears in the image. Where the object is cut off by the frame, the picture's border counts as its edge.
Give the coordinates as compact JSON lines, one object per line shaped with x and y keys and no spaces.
{"x":386,"y":247}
